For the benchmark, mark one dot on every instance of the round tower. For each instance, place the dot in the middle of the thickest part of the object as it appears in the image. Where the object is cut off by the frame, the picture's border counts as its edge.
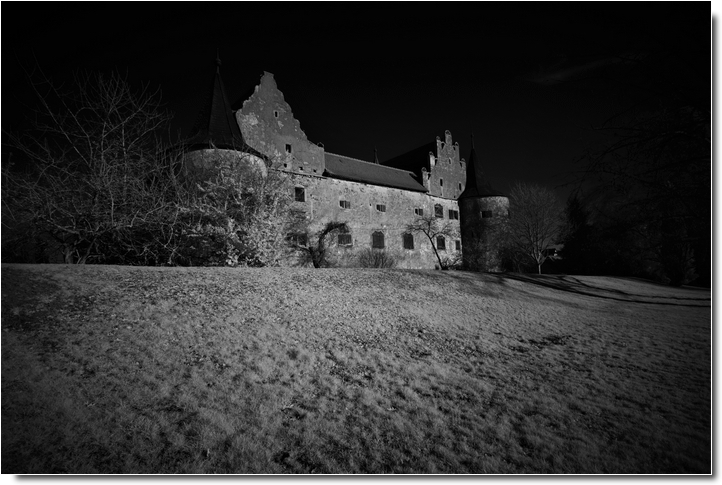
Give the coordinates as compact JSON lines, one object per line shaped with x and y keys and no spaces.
{"x":216,"y":140}
{"x":482,"y":212}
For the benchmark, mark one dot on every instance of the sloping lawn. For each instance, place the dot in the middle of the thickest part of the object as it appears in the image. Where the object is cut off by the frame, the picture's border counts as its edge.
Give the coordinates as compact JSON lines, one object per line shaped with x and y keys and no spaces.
{"x":111,"y":369}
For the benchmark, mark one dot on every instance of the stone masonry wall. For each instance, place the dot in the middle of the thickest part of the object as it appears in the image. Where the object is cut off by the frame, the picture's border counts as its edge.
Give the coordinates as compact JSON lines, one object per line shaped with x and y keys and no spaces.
{"x":322,"y":205}
{"x":478,"y":232}
{"x":268,"y":125}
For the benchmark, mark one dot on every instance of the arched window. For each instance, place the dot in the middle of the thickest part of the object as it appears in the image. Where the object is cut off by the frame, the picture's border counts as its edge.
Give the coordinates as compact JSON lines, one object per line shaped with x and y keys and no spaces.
{"x":377,"y":240}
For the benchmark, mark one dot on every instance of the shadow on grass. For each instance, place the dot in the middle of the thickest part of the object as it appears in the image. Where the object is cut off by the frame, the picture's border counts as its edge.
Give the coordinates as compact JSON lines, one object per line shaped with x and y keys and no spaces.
{"x":572,"y":284}
{"x":479,"y":284}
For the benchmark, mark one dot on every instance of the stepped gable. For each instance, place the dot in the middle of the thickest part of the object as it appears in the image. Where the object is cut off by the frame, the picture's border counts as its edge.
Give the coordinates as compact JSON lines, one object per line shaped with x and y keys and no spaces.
{"x":216,"y":126}
{"x":477,"y":185}
{"x":347,"y":168}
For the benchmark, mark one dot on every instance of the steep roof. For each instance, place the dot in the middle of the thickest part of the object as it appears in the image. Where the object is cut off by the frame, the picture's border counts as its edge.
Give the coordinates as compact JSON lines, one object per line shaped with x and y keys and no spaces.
{"x":413,"y":160}
{"x":477,"y":184}
{"x":347,"y":168}
{"x":216,"y":126}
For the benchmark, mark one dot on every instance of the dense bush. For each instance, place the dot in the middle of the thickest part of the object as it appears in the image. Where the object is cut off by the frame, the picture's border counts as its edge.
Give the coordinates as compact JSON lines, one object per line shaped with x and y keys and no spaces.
{"x":376,"y":258}
{"x":93,"y":183}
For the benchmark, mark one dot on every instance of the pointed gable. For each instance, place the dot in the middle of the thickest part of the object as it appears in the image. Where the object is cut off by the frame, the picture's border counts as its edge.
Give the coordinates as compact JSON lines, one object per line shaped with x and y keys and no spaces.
{"x":477,"y":185}
{"x":216,"y":125}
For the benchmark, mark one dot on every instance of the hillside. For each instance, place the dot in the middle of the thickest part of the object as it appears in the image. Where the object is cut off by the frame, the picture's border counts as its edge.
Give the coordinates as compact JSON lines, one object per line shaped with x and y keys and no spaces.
{"x":110,"y":369}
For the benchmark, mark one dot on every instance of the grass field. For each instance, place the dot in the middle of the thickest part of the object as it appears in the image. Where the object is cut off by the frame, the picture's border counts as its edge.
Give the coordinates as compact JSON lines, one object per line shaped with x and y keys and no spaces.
{"x":171,"y":370}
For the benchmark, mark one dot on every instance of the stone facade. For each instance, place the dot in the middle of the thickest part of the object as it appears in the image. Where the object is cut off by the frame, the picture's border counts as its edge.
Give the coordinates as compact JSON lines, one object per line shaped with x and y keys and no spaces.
{"x":369,"y":209}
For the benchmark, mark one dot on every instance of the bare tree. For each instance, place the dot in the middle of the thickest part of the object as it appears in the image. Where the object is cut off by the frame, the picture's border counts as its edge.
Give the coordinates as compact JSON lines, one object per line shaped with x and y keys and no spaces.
{"x":534,"y":221}
{"x":316,"y":247}
{"x":93,"y":184}
{"x":433,"y":228}
{"x":240,"y":214}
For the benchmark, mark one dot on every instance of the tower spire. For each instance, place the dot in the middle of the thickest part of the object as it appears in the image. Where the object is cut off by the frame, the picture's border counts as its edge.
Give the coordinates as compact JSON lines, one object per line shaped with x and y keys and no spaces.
{"x":477,"y":185}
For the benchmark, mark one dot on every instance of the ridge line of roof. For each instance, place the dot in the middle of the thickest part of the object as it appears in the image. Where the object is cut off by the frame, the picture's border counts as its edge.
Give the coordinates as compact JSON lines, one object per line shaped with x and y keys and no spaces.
{"x":370,"y":163}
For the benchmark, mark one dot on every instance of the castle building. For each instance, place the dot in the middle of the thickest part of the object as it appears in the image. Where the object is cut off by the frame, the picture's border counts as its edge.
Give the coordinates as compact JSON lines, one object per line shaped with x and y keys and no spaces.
{"x":377,"y":201}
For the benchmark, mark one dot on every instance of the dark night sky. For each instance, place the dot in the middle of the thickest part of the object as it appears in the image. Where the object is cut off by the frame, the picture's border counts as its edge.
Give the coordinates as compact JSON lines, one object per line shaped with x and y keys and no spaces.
{"x":359,"y":75}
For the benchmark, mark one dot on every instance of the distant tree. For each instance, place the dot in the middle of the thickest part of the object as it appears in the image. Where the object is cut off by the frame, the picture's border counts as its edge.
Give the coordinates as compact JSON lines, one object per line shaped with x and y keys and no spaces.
{"x":534,"y":222}
{"x":578,"y":255}
{"x":97,"y":185}
{"x":653,"y":167}
{"x":433,"y":227}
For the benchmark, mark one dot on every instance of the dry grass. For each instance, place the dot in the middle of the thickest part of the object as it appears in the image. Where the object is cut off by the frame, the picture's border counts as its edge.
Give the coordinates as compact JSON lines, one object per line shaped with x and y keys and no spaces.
{"x":170,"y":370}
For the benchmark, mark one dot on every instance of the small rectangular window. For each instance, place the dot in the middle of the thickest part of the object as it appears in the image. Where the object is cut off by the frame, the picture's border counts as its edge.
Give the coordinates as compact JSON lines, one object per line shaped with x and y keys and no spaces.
{"x":300,"y":194}
{"x":344,"y":240}
{"x":458,"y":245}
{"x":381,"y":207}
{"x":486,"y":214}
{"x":344,"y":204}
{"x":288,"y":148}
{"x":459,"y":185}
{"x":441,"y":182}
{"x":440,"y":243}
{"x":438,"y":211}
{"x":298,"y":239}
{"x":453,"y":215}
{"x":419,"y":212}
{"x":408,"y":241}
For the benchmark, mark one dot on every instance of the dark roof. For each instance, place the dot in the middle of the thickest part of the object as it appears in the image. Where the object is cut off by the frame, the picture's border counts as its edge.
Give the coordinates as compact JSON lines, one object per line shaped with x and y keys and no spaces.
{"x":414,"y":160}
{"x":347,"y":168}
{"x":216,"y":126}
{"x":476,"y":183}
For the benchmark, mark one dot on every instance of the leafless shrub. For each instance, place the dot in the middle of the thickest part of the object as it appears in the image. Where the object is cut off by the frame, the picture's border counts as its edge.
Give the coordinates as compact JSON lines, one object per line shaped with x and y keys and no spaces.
{"x":376,"y":258}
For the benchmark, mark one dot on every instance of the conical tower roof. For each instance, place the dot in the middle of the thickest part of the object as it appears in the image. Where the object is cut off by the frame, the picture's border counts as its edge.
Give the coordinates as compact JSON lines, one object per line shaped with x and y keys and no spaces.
{"x":216,"y":126}
{"x":477,"y":185}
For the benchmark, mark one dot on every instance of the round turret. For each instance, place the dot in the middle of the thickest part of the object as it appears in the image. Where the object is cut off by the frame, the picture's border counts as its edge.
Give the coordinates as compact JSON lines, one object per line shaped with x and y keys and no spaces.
{"x":482,"y":212}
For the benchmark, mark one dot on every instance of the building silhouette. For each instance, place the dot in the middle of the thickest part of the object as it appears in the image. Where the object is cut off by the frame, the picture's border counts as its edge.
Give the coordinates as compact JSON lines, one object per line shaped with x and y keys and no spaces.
{"x":376,"y":200}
